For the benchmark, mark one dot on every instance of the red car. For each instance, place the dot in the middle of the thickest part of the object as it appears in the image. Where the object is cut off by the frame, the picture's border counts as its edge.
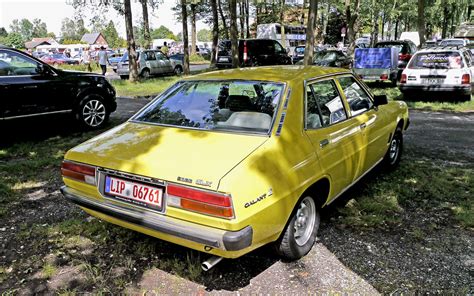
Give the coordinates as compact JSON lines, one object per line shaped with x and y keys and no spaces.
{"x":58,"y":59}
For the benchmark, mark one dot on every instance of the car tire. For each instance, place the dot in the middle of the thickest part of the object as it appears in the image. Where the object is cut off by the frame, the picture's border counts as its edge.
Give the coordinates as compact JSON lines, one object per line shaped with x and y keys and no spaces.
{"x":465,"y":98}
{"x":123,"y":77}
{"x":92,"y":112}
{"x":178,"y":70}
{"x":300,"y":233}
{"x":145,"y":74}
{"x":394,"y":153}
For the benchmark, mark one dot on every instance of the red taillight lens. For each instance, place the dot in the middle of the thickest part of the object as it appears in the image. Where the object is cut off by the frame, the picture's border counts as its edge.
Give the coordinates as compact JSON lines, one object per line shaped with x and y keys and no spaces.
{"x":80,"y":172}
{"x":404,"y":78}
{"x":201,"y":201}
{"x":245,"y":51}
{"x":384,"y":77}
{"x":404,"y":57}
{"x":466,"y":79}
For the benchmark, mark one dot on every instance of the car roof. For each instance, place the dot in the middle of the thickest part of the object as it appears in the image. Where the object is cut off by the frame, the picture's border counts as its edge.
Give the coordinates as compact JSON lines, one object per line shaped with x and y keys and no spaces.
{"x":270,"y":73}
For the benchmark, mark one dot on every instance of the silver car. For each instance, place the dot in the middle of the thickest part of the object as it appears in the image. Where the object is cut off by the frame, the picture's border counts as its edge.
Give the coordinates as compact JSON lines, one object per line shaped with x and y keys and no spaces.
{"x":150,"y":62}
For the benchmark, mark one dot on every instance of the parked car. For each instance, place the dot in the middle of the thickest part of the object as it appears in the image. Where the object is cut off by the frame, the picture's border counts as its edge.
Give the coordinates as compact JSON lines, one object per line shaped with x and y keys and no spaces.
{"x":439,"y":70}
{"x":114,"y":59}
{"x":298,"y":54}
{"x":454,"y":42}
{"x":331,"y":58}
{"x":225,"y":162}
{"x":406,"y":49}
{"x":150,"y":62}
{"x":253,"y":52}
{"x":29,"y":87}
{"x":58,"y":59}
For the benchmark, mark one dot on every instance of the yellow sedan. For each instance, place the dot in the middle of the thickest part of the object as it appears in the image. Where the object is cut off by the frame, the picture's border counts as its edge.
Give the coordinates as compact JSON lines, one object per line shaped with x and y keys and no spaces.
{"x":228,"y":161}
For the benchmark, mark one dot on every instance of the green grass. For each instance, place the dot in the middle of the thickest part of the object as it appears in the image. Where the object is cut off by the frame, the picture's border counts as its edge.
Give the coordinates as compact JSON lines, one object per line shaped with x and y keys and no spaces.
{"x":197,"y":59}
{"x":429,"y":185}
{"x":81,"y":67}
{"x":143,"y":88}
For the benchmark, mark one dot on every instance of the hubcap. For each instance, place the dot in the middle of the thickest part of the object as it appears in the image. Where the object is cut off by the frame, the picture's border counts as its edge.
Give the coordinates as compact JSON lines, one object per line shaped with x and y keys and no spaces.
{"x":305,"y":221}
{"x":394,"y":145}
{"x":93,"y":113}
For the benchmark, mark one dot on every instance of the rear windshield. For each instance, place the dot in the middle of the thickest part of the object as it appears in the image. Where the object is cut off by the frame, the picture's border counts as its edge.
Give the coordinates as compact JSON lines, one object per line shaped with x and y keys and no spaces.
{"x":402,"y":48}
{"x":299,"y":49}
{"x":242,"y":106}
{"x":436,"y":60}
{"x":451,"y":42}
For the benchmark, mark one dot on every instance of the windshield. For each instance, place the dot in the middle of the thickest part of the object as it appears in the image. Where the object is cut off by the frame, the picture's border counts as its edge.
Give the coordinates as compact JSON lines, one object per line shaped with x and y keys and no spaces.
{"x":402,"y":48}
{"x":451,"y":42}
{"x":325,"y":56}
{"x":299,"y":50}
{"x":438,"y":60}
{"x":243,"y":106}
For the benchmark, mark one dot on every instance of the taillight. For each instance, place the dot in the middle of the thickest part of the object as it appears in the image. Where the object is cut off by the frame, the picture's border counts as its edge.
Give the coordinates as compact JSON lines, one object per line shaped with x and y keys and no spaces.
{"x":384,"y":77}
{"x":245,"y":51}
{"x":404,"y":78}
{"x":466,"y":79}
{"x":205,"y":202}
{"x":404,"y":57}
{"x":79,"y":172}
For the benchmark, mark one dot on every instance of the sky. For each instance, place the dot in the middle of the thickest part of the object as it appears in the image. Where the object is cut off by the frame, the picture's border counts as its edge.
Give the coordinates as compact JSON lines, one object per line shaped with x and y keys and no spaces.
{"x":52,"y":12}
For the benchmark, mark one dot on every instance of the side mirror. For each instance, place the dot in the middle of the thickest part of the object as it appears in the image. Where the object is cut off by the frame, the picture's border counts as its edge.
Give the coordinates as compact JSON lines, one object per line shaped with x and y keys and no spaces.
{"x":380,"y":100}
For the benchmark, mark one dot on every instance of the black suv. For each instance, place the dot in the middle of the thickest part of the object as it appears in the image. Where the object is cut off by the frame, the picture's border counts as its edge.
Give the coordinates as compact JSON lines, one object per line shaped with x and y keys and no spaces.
{"x":253,"y":52}
{"x":29,"y":87}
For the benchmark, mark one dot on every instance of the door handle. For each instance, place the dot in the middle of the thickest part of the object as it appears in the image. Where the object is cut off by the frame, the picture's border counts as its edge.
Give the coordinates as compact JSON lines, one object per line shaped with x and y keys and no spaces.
{"x":363,"y":125}
{"x":323,"y":143}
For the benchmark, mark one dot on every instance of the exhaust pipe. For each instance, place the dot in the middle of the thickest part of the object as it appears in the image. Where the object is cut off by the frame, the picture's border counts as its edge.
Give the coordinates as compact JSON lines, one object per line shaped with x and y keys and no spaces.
{"x":210,"y":263}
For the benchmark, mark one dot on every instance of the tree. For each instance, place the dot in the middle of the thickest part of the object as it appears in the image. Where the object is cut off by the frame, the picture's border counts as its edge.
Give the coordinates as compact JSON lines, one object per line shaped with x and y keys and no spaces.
{"x":39,"y":28}
{"x":146,"y":24}
{"x":72,"y":30}
{"x":204,"y":35}
{"x":421,"y":21}
{"x":162,"y":33}
{"x":14,"y":40}
{"x":111,"y":35}
{"x":3,"y":32}
{"x":215,"y":32}
{"x":24,"y":28}
{"x":312,"y":17}
{"x":223,"y":18}
{"x":132,"y":54}
{"x":352,"y":20}
{"x":193,"y":28}
{"x":184,"y":17}
{"x":234,"y":33}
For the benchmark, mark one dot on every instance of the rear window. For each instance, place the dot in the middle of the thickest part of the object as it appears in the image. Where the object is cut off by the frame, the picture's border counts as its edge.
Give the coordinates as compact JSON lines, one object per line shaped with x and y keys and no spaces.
{"x":436,"y":60}
{"x":402,"y":48}
{"x":299,"y":50}
{"x":241,"y":106}
{"x":451,"y":43}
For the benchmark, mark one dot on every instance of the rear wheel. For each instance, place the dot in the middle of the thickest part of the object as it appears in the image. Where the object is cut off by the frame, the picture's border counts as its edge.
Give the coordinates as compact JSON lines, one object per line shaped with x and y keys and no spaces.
{"x":300,"y":233}
{"x":93,"y":113}
{"x":123,"y":77}
{"x":394,"y":153}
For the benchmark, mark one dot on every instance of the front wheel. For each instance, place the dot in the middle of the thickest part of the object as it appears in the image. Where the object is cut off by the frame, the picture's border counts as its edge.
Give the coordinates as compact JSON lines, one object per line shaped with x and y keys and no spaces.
{"x":145,"y":74}
{"x":92,"y":112}
{"x":300,"y":233}
{"x":178,"y":71}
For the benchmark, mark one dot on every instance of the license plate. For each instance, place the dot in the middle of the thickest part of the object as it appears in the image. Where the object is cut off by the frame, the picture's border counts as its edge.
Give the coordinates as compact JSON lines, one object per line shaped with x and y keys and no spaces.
{"x":134,"y":193}
{"x":432,"y":81}
{"x":223,"y":59}
{"x":371,"y":77}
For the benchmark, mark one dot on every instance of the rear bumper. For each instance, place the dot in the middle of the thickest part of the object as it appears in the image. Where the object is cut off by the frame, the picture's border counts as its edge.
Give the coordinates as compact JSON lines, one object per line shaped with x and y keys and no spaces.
{"x":204,"y":235}
{"x":461,"y":89}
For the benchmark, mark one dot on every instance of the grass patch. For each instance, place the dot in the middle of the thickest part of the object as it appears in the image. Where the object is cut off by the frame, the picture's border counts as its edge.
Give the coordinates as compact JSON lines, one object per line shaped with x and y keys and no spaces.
{"x":197,"y":59}
{"x":49,"y":270}
{"x":419,"y":184}
{"x":143,"y":88}
{"x":81,"y":67}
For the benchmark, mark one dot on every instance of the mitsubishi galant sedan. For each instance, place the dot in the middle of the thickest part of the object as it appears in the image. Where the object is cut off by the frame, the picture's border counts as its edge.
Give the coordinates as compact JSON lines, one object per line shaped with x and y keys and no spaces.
{"x":228,"y":161}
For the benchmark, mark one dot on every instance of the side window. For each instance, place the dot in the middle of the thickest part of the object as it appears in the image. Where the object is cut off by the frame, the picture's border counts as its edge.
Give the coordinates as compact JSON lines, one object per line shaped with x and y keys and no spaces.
{"x":468,"y":59}
{"x":150,"y":56}
{"x":358,"y":100}
{"x":324,"y":105}
{"x":15,"y":64}
{"x":278,"y":48}
{"x":160,"y":56}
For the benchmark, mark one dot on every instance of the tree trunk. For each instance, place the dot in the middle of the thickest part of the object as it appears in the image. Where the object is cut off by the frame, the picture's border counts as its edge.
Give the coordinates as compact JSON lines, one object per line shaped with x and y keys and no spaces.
{"x":282,"y":24}
{"x":146,"y":24}
{"x":445,"y":20}
{"x":241,"y":19}
{"x":383,"y":26}
{"x":375,"y":26}
{"x":234,"y":38}
{"x":453,"y":16}
{"x":184,"y":17}
{"x":397,"y":22}
{"x":352,"y":20}
{"x":215,"y":32}
{"x":224,"y":24}
{"x":247,"y":16}
{"x":312,"y":17}
{"x":421,"y":21}
{"x":193,"y":28}
{"x":132,"y":54}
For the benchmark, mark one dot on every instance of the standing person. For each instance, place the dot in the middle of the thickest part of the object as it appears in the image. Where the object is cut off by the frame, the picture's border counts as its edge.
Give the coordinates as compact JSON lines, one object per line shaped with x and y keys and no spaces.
{"x":86,"y":59}
{"x":165,"y":49}
{"x":103,"y":60}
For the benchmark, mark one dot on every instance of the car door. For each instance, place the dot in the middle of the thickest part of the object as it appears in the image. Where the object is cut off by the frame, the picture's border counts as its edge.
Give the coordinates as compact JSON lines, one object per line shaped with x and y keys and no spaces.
{"x":26,"y":90}
{"x":164,"y":63}
{"x":334,"y":136}
{"x":151,"y":62}
{"x":374,"y":131}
